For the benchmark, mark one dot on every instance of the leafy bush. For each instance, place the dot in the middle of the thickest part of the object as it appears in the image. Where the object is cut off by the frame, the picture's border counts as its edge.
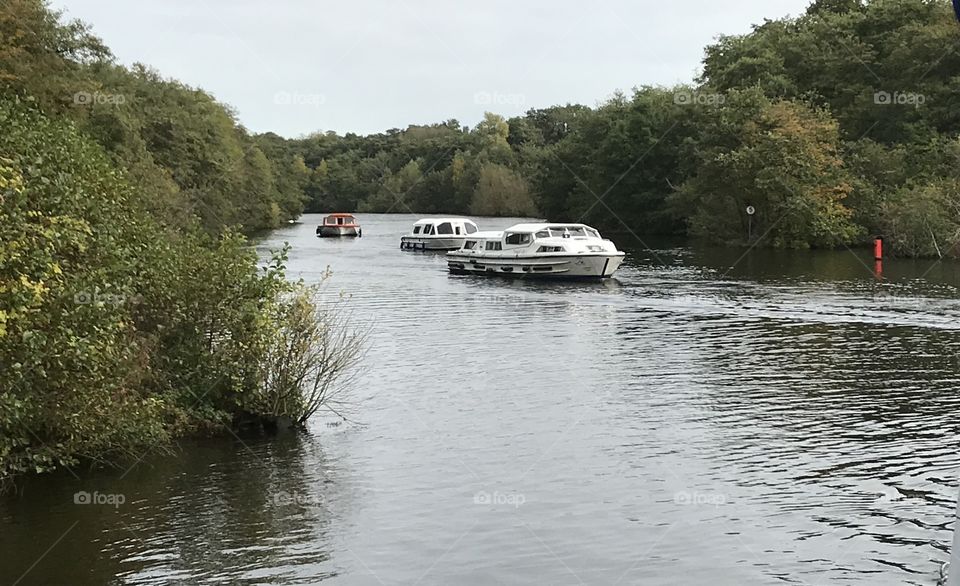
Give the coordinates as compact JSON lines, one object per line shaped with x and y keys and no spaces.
{"x":311,"y":358}
{"x":924,"y":220}
{"x":116,"y":333}
{"x":69,"y":244}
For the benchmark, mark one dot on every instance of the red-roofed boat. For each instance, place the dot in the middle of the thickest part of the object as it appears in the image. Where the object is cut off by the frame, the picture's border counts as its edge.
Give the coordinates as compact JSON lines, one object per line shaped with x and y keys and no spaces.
{"x":336,"y":225}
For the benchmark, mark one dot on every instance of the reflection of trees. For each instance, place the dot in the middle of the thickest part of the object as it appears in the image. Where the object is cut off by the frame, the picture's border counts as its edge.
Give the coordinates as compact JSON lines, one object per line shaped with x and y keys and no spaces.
{"x":250,"y":511}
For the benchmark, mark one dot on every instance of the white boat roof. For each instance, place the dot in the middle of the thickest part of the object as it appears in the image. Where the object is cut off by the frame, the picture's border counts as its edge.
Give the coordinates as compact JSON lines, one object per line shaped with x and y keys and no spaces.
{"x":435,"y":220}
{"x":487,"y":234}
{"x":544,"y":226}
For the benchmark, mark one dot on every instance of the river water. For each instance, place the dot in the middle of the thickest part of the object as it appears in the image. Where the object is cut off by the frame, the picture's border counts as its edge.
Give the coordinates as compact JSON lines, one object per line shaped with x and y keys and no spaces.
{"x":706,"y":417}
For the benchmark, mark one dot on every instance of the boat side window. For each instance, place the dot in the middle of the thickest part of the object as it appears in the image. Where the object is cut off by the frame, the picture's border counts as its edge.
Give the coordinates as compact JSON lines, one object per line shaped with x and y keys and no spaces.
{"x":494,"y":245}
{"x":445,"y":228}
{"x":457,"y":230}
{"x":518,"y":238}
{"x":543,"y":234}
{"x":428,"y":229}
{"x":471,"y":227}
{"x":550,"y":249}
{"x":416,"y":229}
{"x":469,"y":244}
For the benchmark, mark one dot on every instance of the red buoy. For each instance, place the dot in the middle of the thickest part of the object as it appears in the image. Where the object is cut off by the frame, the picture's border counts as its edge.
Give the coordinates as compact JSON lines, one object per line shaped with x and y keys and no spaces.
{"x":878,"y":248}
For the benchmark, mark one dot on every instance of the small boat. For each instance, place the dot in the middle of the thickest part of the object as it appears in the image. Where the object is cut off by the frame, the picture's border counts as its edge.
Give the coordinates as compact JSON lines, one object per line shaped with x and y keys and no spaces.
{"x":438,"y":234}
{"x":339,"y":225}
{"x":574,"y":251}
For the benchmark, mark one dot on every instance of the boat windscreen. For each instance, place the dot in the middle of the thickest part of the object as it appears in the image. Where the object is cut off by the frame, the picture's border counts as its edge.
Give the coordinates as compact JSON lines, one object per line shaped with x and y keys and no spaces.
{"x":518,"y":238}
{"x":571,"y":231}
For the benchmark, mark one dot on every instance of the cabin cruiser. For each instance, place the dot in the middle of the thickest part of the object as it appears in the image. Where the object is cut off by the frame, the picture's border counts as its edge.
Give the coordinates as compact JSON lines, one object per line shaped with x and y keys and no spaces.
{"x":339,"y":225}
{"x":438,"y":234}
{"x":559,"y":250}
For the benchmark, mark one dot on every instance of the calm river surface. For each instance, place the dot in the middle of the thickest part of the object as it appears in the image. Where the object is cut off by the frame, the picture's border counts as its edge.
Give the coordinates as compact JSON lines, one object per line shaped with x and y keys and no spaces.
{"x":788,"y":420}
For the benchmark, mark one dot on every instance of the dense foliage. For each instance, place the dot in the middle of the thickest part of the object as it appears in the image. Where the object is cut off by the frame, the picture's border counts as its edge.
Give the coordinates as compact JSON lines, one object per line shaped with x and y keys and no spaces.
{"x":190,"y":160}
{"x":835,"y":126}
{"x":131,"y":308}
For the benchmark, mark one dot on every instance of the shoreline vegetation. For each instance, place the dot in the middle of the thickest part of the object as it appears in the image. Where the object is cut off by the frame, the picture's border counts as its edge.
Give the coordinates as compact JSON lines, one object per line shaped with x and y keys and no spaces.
{"x":133,"y":310}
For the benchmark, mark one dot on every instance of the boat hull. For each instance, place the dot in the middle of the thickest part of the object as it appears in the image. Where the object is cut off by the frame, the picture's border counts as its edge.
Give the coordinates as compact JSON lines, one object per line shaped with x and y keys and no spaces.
{"x":581,"y":266}
{"x":428,"y":243}
{"x":337,"y":231}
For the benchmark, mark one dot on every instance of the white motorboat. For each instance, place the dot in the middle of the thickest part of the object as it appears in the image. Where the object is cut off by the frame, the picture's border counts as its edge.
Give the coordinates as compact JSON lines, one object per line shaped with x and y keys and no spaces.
{"x":438,"y":234}
{"x":339,"y":225}
{"x":541,"y":250}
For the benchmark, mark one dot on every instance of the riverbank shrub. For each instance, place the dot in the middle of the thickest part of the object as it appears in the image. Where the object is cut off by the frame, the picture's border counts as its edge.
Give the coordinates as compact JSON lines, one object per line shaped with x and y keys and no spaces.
{"x":71,"y":376}
{"x":311,"y":358}
{"x":118,"y":333}
{"x":924,"y":220}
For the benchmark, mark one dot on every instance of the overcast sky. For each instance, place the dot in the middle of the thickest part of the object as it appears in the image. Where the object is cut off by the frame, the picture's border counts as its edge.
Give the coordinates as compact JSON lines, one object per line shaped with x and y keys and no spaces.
{"x":297,"y":66}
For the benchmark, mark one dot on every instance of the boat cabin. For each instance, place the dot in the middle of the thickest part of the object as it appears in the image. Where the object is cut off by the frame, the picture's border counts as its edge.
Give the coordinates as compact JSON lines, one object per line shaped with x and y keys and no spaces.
{"x":339,"y":220}
{"x":444,"y":227}
{"x":539,"y":239}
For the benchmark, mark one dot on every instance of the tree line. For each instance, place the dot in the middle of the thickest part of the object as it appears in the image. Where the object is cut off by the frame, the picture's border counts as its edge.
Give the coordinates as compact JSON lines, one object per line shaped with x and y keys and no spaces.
{"x":835,"y":126}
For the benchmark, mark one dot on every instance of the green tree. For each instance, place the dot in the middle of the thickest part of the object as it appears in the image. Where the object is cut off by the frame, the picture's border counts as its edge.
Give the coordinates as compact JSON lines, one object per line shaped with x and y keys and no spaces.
{"x":501,"y":192}
{"x":782,"y":158}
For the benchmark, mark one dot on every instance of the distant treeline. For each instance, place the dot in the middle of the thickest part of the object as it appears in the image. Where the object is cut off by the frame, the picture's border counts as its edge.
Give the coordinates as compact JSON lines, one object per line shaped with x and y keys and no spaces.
{"x":834,"y":126}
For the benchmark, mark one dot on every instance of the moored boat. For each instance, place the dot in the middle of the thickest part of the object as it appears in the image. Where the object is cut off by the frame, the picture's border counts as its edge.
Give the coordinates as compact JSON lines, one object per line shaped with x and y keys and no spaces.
{"x":339,"y":225}
{"x":538,"y":250}
{"x":438,"y":234}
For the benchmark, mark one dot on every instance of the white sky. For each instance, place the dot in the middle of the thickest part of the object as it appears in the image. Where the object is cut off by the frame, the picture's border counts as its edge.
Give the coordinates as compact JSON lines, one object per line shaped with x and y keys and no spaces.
{"x":297,"y":66}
